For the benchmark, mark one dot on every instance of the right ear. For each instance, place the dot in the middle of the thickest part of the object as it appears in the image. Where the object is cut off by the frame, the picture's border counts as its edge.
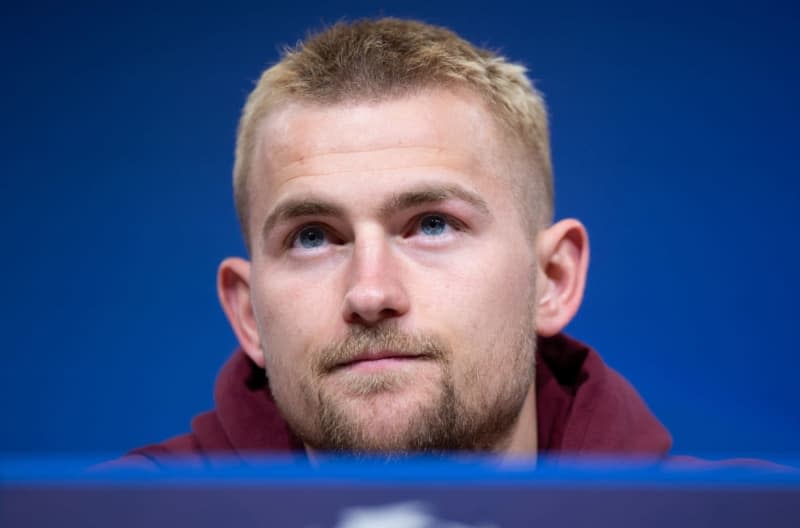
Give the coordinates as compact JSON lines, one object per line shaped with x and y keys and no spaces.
{"x":233,"y":288}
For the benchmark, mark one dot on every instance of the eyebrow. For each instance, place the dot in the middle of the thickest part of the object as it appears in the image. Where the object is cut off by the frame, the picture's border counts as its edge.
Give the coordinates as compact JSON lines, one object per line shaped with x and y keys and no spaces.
{"x":314,"y":206}
{"x":299,"y":207}
{"x":431,"y":195}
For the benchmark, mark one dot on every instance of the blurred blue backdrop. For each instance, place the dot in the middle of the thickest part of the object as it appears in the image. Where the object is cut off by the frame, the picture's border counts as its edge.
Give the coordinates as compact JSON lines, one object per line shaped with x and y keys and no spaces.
{"x":675,"y":140}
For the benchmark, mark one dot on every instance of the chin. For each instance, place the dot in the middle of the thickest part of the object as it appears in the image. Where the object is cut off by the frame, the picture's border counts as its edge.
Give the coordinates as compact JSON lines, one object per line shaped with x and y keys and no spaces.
{"x":386,"y":422}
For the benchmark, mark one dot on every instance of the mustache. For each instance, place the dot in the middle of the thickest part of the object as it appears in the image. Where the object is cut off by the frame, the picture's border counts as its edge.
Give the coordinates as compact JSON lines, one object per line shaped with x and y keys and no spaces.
{"x":363,"y":339}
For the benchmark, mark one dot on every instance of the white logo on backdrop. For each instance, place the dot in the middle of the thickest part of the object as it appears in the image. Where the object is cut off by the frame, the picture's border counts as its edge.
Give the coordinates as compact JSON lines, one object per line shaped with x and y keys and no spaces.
{"x":402,"y":515}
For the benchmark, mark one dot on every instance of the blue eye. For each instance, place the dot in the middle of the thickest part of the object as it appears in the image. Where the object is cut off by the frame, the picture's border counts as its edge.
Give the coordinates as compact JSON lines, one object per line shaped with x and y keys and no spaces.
{"x":433,"y":225}
{"x":310,"y":237}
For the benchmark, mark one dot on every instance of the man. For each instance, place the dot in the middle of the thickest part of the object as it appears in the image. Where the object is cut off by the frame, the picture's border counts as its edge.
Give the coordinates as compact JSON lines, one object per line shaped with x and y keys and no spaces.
{"x":406,"y":287}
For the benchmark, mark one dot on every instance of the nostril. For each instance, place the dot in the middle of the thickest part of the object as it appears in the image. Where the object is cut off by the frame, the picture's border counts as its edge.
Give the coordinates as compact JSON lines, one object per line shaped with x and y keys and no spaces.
{"x":367,"y":318}
{"x":389,"y":312}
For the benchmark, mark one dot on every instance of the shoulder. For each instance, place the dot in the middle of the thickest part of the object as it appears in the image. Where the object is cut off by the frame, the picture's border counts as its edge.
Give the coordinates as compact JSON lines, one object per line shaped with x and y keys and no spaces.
{"x":192,"y":448}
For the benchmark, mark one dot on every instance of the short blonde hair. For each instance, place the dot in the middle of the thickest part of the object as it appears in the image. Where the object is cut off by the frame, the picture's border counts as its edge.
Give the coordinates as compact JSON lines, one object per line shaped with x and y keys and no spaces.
{"x":379,"y":59}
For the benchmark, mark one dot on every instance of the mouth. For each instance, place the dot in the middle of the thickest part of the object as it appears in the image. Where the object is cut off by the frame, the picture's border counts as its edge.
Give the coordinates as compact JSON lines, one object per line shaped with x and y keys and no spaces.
{"x":371,"y":361}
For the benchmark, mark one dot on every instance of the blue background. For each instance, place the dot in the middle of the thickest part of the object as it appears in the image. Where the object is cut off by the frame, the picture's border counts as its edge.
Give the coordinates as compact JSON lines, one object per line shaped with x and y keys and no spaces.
{"x":674,"y":137}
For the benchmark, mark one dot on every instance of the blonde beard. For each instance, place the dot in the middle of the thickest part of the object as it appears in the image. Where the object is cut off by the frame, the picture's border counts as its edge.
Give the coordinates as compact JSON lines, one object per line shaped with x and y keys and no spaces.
{"x":448,"y":423}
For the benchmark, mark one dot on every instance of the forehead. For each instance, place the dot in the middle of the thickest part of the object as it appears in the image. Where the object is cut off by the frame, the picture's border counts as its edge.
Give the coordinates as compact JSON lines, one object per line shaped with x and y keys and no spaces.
{"x":301,"y":138}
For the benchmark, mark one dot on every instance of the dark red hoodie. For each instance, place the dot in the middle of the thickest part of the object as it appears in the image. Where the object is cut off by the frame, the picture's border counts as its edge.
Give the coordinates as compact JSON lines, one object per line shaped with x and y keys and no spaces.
{"x":583,"y":407}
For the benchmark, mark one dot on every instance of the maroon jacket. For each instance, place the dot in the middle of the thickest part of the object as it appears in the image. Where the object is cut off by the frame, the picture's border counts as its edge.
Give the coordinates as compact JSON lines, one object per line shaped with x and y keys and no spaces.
{"x":583,"y":407}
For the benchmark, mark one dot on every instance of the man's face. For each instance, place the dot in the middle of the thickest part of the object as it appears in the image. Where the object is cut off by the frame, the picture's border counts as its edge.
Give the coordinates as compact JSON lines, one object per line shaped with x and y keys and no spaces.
{"x":392,"y":280}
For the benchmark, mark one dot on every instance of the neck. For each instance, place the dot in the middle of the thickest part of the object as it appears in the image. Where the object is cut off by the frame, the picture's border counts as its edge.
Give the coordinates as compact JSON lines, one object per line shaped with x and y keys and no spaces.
{"x":522,"y":441}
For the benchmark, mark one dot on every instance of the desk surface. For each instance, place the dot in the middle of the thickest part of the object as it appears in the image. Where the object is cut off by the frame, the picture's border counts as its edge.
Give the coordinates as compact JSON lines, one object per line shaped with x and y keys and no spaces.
{"x":415,"y":493}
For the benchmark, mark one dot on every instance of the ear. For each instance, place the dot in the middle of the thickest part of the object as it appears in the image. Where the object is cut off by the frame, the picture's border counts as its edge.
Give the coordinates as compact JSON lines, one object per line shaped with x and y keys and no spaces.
{"x":233,"y":288}
{"x":563,"y":261}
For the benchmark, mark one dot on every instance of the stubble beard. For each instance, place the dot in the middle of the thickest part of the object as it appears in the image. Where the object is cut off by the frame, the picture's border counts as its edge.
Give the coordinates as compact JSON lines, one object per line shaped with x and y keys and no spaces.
{"x":449,"y":422}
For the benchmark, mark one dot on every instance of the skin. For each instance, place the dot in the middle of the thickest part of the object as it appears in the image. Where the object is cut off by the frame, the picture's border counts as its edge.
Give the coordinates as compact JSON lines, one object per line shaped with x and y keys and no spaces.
{"x":391,"y":265}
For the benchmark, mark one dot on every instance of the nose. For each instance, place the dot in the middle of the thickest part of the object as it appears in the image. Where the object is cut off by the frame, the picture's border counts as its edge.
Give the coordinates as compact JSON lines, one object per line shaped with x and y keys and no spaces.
{"x":375,"y":290}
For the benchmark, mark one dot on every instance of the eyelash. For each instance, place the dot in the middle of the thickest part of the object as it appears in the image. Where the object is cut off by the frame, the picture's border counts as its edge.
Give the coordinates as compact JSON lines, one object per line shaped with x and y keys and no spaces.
{"x":454,"y":223}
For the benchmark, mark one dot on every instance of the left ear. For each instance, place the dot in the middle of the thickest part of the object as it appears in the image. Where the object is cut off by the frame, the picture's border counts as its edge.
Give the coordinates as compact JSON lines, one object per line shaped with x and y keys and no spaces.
{"x":563,"y":261}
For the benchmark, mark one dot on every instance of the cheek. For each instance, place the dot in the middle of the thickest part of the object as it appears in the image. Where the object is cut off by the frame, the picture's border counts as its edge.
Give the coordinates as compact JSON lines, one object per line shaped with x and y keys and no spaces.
{"x":493,"y":286}
{"x":295,"y":314}
{"x":286,"y":331}
{"x":490,"y":303}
